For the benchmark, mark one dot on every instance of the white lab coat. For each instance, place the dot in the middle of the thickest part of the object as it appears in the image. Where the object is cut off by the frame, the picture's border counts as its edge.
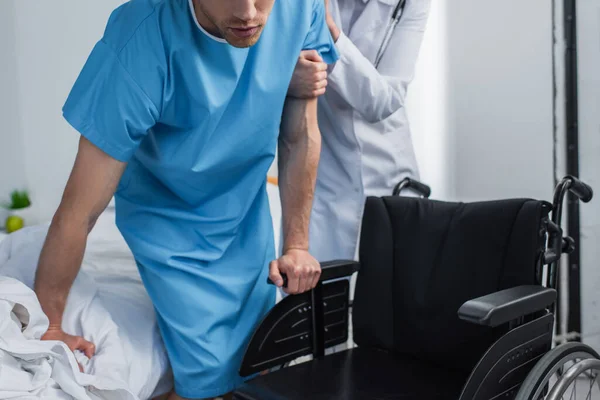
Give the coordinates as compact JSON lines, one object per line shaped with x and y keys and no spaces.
{"x":366,"y":139}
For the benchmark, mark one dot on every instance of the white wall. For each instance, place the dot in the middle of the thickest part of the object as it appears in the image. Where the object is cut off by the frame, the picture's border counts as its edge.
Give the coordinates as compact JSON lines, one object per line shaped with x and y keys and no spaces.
{"x":500,"y":98}
{"x":588,"y":16}
{"x":12,"y":165}
{"x":427,"y":107}
{"x":48,"y":43}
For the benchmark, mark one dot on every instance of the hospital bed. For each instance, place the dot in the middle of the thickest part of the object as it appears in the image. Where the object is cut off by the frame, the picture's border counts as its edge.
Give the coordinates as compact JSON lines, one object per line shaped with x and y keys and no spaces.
{"x":107,"y":304}
{"x":452,"y":301}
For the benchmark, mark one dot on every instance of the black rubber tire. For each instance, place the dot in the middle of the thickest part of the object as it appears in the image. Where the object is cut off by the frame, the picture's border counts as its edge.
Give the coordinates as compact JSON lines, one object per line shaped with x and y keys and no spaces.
{"x":547,"y":364}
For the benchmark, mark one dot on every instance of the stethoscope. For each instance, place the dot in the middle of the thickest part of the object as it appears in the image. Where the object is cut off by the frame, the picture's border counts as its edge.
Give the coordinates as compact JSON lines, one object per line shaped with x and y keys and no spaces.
{"x":396,"y":15}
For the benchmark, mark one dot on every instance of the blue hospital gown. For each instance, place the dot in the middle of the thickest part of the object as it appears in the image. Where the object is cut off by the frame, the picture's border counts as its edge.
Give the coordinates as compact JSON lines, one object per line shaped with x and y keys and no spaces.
{"x":197,"y":120}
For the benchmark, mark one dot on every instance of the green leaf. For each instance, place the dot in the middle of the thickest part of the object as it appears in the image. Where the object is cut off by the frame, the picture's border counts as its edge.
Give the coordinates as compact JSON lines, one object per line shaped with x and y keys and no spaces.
{"x":19,"y":200}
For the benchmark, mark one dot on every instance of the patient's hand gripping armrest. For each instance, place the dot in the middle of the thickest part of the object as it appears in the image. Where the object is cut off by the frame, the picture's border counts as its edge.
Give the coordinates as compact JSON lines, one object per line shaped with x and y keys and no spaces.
{"x":332,"y":270}
{"x":507,"y":305}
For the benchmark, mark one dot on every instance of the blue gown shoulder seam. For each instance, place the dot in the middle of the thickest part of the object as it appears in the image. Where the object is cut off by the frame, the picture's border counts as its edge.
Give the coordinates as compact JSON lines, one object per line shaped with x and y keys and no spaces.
{"x":135,"y":31}
{"x":118,"y":58}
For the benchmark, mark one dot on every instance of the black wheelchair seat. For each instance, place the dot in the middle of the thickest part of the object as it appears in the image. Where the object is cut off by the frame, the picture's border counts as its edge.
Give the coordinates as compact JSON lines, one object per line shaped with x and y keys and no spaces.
{"x":358,"y":374}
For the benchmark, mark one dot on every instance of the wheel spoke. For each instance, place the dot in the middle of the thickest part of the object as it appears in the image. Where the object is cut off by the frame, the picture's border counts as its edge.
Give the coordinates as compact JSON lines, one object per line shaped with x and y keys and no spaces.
{"x":574,"y":391}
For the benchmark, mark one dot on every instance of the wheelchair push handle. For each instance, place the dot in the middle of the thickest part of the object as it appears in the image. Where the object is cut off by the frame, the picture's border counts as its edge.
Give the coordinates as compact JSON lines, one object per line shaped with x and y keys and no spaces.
{"x":557,"y":244}
{"x":408,"y":183}
{"x":580,"y":189}
{"x":569,"y":184}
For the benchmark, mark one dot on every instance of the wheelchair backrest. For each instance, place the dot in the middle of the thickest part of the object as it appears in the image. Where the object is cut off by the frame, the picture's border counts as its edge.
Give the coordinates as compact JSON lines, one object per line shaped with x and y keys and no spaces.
{"x":422,"y":259}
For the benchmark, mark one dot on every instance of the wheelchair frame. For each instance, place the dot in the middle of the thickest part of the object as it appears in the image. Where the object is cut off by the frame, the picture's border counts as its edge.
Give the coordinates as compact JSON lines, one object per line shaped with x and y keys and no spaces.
{"x":311,"y":322}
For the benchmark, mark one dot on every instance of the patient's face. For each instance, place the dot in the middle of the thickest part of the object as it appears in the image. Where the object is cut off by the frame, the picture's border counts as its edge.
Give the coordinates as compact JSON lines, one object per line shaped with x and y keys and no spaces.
{"x":240,"y":22}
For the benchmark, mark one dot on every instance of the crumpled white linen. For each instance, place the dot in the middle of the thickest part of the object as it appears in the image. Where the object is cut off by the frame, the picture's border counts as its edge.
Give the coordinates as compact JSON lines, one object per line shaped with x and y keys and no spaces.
{"x":31,"y":368}
{"x":111,"y":309}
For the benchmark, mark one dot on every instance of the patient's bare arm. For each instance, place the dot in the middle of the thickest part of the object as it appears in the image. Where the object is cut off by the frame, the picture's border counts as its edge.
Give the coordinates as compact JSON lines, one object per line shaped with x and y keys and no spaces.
{"x":91,"y":185}
{"x":299,"y":151}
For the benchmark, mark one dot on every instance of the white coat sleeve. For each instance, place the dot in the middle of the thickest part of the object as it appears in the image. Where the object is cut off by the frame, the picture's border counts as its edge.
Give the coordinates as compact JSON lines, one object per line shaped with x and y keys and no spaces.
{"x":377,"y":94}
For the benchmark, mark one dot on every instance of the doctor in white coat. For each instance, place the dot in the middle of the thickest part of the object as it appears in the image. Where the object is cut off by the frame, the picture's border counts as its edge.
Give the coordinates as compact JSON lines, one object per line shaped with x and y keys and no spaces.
{"x":366,"y":139}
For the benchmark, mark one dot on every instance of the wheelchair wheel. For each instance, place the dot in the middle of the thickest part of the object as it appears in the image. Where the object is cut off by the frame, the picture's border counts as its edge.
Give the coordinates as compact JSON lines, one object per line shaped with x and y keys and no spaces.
{"x":554,"y":369}
{"x":571,"y":380}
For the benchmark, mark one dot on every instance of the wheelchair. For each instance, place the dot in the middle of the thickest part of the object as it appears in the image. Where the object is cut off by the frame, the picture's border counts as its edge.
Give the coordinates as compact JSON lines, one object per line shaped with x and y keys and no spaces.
{"x":452,"y":301}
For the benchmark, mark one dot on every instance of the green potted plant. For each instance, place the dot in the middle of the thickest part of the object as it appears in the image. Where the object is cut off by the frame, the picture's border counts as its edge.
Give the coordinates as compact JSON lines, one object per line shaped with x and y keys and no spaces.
{"x":17,"y":210}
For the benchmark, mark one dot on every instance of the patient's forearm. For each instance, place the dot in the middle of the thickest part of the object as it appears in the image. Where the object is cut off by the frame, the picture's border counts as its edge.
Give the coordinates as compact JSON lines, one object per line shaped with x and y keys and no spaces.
{"x":299,"y":151}
{"x":89,"y":189}
{"x":59,"y":264}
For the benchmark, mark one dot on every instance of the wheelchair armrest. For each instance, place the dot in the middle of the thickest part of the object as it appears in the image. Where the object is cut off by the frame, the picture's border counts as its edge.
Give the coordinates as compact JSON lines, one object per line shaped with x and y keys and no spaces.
{"x":332,"y":270}
{"x":338,"y":269}
{"x":501,"y":307}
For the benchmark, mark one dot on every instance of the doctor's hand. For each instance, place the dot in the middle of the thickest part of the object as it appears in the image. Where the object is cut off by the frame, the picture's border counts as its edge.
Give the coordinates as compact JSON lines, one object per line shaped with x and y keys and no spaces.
{"x":73,"y":342}
{"x":302,"y":270}
{"x":310,"y":76}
